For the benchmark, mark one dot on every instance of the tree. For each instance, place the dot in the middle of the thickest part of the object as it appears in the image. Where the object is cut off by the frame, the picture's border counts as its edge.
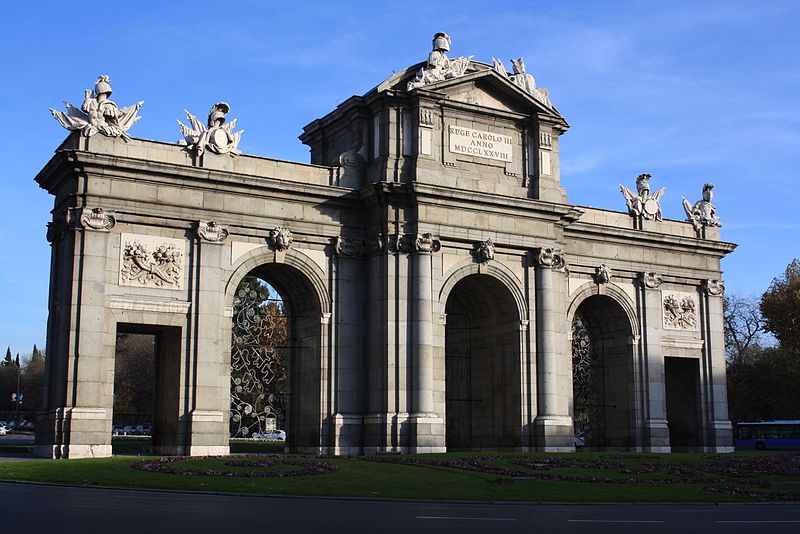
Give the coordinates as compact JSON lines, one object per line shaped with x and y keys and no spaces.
{"x":743,"y":326}
{"x":134,"y":374}
{"x":33,"y":380}
{"x":780,"y":306}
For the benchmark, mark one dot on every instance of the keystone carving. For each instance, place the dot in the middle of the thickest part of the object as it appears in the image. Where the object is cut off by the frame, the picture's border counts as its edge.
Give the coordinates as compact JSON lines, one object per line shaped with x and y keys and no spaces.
{"x":715,"y":287}
{"x":602,"y":274}
{"x":643,"y":205}
{"x":98,"y":219}
{"x":484,"y":251}
{"x":216,"y":136}
{"x":703,"y":213}
{"x":553,"y":258}
{"x":280,"y":238}
{"x":98,"y":113}
{"x":419,"y":243}
{"x":212,"y":231}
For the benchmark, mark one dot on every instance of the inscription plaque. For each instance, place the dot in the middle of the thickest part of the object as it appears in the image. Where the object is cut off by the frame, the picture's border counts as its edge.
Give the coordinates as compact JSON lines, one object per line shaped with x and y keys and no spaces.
{"x":480,"y":143}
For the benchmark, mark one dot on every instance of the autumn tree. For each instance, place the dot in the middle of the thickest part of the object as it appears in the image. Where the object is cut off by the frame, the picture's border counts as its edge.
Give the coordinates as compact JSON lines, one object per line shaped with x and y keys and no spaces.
{"x":780,"y":306}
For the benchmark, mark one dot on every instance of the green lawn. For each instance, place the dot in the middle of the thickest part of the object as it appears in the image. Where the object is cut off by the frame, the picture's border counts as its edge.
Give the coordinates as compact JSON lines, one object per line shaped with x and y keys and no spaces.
{"x":580,"y":477}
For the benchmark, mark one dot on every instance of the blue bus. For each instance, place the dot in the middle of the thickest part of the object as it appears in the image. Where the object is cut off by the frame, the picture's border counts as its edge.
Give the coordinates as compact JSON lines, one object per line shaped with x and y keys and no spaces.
{"x":768,"y":435}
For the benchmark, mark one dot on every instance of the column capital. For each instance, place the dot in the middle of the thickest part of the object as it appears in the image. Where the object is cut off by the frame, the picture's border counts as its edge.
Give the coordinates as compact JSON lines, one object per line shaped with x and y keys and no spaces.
{"x":551,"y":257}
{"x":714,"y":287}
{"x":651,"y":280}
{"x":418,"y":243}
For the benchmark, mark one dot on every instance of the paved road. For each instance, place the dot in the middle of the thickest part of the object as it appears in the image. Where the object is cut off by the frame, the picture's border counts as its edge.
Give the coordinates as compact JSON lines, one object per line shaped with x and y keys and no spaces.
{"x":33,"y":508}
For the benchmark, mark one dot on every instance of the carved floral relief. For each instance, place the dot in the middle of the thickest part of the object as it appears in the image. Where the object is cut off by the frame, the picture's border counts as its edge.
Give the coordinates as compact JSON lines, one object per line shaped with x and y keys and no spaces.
{"x":680,"y":310}
{"x":150,"y":261}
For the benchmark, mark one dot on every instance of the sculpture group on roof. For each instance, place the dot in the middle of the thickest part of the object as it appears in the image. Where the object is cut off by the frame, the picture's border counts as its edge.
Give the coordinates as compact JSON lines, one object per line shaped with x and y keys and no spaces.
{"x":98,"y":113}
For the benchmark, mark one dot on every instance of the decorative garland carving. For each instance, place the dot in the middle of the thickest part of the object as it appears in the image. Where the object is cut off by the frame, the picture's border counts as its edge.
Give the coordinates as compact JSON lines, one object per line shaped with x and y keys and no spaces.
{"x":212,"y":231}
{"x":98,"y":219}
{"x":280,"y":238}
{"x":680,"y":311}
{"x":162,"y":267}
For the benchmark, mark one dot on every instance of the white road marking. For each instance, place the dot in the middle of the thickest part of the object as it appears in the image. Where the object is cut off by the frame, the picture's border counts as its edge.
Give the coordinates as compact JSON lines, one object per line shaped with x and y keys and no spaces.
{"x":466,"y":518}
{"x":609,"y":521}
{"x":758,"y":521}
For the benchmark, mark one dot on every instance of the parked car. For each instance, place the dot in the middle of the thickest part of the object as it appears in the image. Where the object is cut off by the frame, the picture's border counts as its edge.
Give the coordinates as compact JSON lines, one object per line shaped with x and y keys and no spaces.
{"x":271,"y":435}
{"x":117,"y":430}
{"x":3,"y":430}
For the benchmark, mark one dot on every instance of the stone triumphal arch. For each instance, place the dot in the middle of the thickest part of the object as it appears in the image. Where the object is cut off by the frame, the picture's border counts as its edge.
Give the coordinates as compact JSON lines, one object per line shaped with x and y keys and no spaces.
{"x":438,"y":290}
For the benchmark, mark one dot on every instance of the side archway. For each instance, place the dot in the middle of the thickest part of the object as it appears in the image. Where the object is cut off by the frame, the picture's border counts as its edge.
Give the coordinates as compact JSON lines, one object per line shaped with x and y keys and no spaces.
{"x":603,"y":331}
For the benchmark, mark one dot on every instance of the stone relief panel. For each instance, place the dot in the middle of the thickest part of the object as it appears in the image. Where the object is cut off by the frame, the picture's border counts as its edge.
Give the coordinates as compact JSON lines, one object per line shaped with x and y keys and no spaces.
{"x":679,"y":310}
{"x":151,"y":261}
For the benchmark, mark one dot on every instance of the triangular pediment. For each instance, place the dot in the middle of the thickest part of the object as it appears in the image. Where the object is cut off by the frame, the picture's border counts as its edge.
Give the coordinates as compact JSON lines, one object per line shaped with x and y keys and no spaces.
{"x":482,"y":86}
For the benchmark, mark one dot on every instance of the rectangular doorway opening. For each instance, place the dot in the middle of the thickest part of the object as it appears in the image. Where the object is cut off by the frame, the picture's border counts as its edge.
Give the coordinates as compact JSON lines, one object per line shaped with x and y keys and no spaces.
{"x":682,"y":377}
{"x":146,"y":389}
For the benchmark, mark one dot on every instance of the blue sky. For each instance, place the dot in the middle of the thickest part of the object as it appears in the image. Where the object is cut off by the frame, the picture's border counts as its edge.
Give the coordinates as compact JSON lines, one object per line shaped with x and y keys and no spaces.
{"x":688,"y":91}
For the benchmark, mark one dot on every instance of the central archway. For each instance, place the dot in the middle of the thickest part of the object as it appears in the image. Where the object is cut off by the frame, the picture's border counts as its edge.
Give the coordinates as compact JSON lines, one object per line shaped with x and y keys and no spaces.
{"x":482,"y":365}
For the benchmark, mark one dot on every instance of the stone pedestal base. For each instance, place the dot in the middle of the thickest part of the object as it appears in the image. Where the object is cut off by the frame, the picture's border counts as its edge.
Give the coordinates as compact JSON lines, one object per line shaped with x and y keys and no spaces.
{"x":656,"y":436}
{"x":720,"y":437}
{"x":78,"y":432}
{"x":346,"y":435}
{"x":428,"y":434}
{"x":554,"y":433}
{"x":386,"y":432}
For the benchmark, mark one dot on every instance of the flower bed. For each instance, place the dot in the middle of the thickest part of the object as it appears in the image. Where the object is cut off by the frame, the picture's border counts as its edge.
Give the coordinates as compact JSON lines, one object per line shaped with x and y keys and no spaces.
{"x":237,"y":466}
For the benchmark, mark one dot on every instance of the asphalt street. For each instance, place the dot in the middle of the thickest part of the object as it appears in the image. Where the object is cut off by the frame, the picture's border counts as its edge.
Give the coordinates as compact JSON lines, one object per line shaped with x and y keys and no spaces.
{"x":34,"y":508}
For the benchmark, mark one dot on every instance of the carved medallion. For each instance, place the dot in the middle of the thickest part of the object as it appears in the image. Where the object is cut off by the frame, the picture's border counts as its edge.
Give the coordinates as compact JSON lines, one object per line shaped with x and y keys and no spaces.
{"x":280,"y":238}
{"x":98,"y":219}
{"x":151,"y":261}
{"x":680,"y":310}
{"x":211,"y":231}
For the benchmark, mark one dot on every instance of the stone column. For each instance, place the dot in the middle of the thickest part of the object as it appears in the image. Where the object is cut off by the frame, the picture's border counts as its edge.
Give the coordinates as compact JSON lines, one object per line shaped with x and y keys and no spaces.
{"x":76,"y":421}
{"x":207,"y":422}
{"x":718,"y":432}
{"x":553,"y":424}
{"x":429,"y":427}
{"x":655,"y":431}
